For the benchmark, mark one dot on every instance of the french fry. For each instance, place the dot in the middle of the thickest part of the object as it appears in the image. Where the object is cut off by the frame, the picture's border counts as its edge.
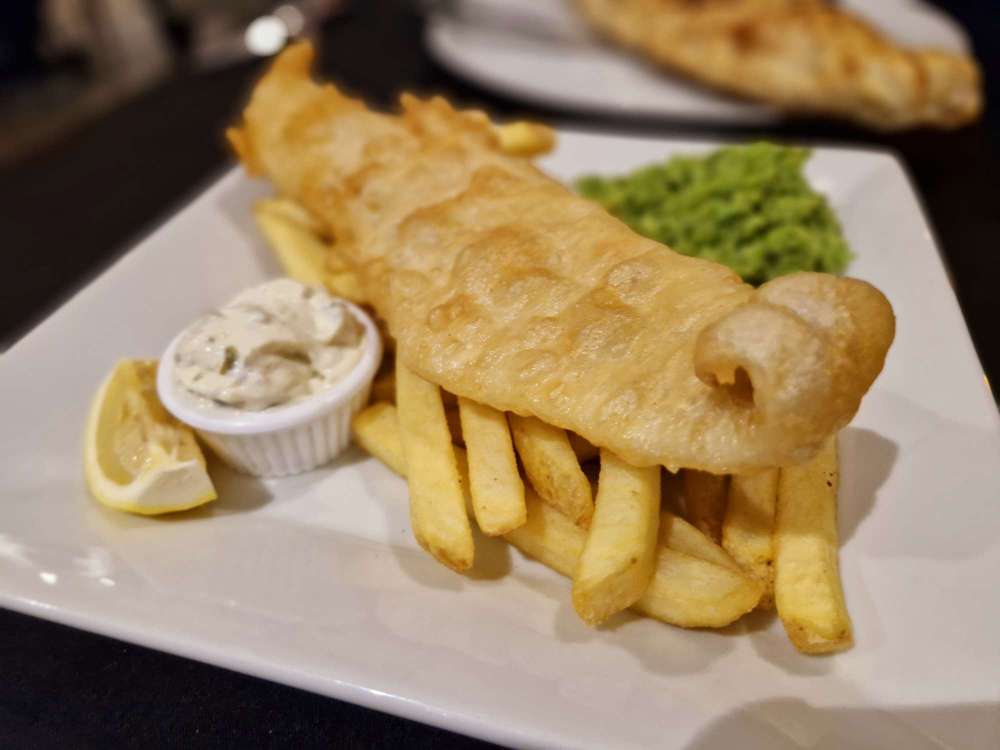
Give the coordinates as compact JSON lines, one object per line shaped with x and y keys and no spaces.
{"x":680,"y":535}
{"x":807,"y":588}
{"x":583,"y":448}
{"x":494,"y":481}
{"x":748,"y":527}
{"x":552,"y":467}
{"x":344,"y":284}
{"x":292,"y":212}
{"x":437,"y":500}
{"x":684,"y":590}
{"x":694,"y":592}
{"x":690,"y":587}
{"x":524,"y":138}
{"x":294,"y":236}
{"x":335,"y":259}
{"x":376,"y":429}
{"x":705,"y":501}
{"x":619,"y":554}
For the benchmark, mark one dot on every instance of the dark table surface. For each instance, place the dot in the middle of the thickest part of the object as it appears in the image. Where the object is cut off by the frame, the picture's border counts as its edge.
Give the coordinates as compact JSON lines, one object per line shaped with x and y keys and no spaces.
{"x":65,"y":214}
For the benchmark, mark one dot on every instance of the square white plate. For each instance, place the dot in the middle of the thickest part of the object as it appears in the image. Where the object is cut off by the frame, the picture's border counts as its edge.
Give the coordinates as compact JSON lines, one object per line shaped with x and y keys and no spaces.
{"x":316,"y":581}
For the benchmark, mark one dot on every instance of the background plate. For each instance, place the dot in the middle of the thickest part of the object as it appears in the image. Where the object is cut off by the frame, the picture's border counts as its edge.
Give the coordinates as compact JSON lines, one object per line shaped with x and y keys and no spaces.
{"x":315,"y":580}
{"x":542,"y":54}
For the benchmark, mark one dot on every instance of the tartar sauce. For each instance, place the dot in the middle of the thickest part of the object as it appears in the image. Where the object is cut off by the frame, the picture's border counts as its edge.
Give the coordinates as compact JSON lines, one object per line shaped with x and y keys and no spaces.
{"x":272,"y":345}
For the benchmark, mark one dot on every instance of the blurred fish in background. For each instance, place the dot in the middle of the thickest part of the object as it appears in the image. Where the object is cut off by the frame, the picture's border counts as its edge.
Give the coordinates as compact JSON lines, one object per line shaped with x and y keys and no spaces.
{"x":890,"y":65}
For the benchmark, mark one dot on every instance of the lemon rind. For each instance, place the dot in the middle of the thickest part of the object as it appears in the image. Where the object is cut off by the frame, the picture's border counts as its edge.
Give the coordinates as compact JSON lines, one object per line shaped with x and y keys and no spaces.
{"x":123,"y":497}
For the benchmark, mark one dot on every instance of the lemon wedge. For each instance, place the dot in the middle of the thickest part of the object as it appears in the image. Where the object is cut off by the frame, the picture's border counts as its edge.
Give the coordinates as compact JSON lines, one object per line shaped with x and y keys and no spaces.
{"x":137,"y":457}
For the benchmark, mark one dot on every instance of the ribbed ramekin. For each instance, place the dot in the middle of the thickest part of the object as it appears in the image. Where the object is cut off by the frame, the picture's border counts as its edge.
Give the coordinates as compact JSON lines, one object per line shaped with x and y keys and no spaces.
{"x":282,"y":440}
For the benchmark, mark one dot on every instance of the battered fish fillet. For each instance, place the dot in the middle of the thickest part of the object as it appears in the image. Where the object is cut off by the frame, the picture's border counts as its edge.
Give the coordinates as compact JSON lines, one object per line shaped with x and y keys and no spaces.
{"x":502,"y":286}
{"x":801,"y":55}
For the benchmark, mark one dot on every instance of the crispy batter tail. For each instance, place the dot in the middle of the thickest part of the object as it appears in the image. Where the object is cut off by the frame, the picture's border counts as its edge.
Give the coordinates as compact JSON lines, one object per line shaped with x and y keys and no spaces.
{"x":802,"y":351}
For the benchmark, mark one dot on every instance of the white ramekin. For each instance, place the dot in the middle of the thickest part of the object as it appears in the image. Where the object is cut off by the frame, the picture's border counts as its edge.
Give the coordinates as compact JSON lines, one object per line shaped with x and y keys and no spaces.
{"x":286,"y":439}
